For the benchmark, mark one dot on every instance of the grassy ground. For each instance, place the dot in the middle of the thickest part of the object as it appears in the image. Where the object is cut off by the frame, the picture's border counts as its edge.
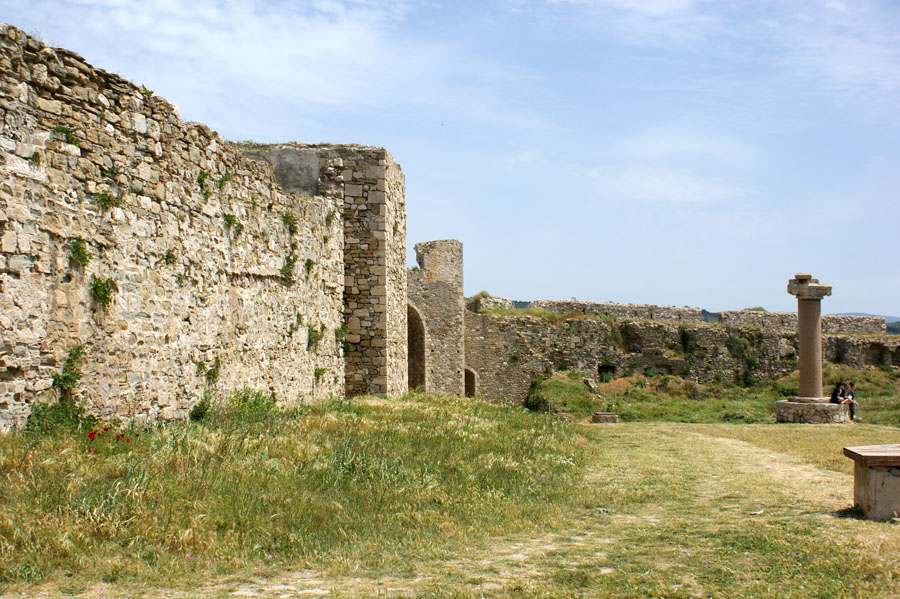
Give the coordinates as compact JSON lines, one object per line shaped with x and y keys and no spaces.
{"x":436,"y":497}
{"x":363,"y":483}
{"x":675,"y":399}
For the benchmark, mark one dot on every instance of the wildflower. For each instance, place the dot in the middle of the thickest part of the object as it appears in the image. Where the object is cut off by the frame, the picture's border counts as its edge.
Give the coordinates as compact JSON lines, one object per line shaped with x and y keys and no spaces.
{"x":117,"y":437}
{"x":105,"y":428}
{"x":95,"y":452}
{"x":128,"y":440}
{"x":91,"y":435}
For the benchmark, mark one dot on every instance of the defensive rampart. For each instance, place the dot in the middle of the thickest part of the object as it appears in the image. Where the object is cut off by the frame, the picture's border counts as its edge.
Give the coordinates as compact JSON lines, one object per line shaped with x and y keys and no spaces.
{"x":642,"y":311}
{"x":787,"y":321}
{"x":176,"y":261}
{"x":506,"y":351}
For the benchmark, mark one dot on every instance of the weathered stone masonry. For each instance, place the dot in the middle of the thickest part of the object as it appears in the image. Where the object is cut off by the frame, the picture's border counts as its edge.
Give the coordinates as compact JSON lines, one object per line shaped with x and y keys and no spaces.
{"x":436,"y":294}
{"x":198,"y":244}
{"x":372,"y":189}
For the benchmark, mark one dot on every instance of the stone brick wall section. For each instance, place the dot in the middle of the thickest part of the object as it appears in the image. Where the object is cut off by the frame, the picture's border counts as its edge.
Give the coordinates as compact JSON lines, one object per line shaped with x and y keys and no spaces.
{"x":436,"y":290}
{"x":507,"y":351}
{"x":195,"y":243}
{"x":488,"y":302}
{"x":370,"y":186}
{"x":787,"y":321}
{"x":642,"y":311}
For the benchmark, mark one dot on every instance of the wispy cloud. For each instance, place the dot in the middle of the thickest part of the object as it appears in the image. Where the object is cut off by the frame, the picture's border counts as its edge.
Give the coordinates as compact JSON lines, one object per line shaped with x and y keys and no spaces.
{"x":661,"y":185}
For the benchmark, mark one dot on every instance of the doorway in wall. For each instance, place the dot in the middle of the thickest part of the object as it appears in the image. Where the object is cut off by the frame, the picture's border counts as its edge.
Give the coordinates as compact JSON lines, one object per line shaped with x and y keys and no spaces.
{"x":415,"y":338}
{"x":470,"y":383}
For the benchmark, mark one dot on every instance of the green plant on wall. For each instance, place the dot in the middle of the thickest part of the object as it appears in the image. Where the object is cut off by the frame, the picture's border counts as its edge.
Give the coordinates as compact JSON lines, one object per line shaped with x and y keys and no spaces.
{"x":308,"y":265}
{"x":290,"y":222}
{"x":329,"y":218}
{"x":287,"y":270}
{"x":202,"y":177}
{"x":79,"y":252}
{"x":339,"y":335}
{"x":212,"y":373}
{"x":103,"y":290}
{"x":171,"y":258}
{"x":107,"y":200}
{"x":67,"y":134}
{"x":67,"y":379}
{"x":318,"y":372}
{"x":229,"y":221}
{"x":313,"y":336}
{"x":111,"y":172}
{"x":224,"y":179}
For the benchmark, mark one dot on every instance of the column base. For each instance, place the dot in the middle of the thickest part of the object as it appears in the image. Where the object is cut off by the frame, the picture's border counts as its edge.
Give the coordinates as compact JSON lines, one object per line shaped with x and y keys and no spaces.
{"x":807,"y":410}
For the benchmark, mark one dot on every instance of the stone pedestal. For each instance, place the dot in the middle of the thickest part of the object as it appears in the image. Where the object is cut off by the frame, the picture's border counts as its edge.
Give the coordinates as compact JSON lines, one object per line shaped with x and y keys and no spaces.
{"x":876,"y":480}
{"x":798,"y":411}
{"x":604,"y":417}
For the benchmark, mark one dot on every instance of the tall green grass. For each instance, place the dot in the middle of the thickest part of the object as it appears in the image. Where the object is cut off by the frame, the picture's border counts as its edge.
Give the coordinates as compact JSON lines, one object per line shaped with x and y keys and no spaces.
{"x":368,"y":482}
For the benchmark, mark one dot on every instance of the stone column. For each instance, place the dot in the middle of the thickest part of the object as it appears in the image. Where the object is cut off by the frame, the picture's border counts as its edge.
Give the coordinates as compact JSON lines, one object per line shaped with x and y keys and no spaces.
{"x":809,"y":294}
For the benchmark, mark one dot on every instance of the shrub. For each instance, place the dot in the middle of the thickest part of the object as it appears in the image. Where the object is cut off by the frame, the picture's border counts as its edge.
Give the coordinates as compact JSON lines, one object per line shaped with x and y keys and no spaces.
{"x":537,"y":399}
{"x":201,"y":408}
{"x":249,"y":402}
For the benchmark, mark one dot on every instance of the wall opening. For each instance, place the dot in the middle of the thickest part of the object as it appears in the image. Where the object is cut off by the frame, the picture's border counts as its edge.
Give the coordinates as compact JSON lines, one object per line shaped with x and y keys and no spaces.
{"x":470,"y":383}
{"x":606,"y":372}
{"x":415,"y":338}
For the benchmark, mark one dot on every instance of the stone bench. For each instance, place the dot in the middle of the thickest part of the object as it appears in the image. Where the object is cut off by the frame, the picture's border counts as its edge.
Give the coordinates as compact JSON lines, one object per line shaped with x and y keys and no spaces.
{"x":876,"y":480}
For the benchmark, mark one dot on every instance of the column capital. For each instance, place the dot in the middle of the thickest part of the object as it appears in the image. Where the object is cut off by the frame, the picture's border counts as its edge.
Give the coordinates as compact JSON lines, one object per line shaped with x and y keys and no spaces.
{"x":804,"y":286}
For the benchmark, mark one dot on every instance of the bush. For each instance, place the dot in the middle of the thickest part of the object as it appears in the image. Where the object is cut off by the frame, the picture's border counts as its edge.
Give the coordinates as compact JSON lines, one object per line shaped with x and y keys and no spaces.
{"x":61,"y":416}
{"x":249,"y":402}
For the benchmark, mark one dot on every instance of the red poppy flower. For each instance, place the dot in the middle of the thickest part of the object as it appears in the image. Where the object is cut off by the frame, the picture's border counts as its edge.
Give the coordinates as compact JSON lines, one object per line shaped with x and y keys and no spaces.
{"x":117,"y":437}
{"x":128,"y":440}
{"x":91,"y":435}
{"x":95,"y":451}
{"x":106,"y":428}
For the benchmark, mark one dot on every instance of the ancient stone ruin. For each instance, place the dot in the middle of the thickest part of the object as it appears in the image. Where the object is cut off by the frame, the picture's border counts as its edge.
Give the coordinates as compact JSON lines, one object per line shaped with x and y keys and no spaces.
{"x":179,"y":262}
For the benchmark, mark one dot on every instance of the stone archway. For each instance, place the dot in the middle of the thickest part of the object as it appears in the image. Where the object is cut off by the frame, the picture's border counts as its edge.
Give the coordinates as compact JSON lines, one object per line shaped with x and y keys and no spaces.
{"x":471,"y":383}
{"x":415,"y":338}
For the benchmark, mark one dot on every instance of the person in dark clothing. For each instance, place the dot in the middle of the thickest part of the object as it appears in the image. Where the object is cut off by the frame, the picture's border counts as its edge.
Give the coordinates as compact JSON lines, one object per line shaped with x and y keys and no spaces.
{"x":837,"y":394}
{"x":850,"y":398}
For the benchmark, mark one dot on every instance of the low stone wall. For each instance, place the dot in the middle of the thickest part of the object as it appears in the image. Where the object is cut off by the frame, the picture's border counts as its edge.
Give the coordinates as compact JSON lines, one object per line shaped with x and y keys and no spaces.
{"x":507,"y":351}
{"x":787,"y":321}
{"x":488,"y":302}
{"x":191,"y":233}
{"x":641,"y":311}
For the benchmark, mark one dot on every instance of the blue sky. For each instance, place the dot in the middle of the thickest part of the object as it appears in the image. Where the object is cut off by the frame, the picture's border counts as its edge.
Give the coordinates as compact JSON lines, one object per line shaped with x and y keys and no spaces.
{"x":683,"y":152}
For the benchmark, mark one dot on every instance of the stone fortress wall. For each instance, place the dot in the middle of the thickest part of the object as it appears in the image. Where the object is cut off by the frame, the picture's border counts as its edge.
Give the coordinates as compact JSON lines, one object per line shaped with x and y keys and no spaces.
{"x":282,"y":267}
{"x":436,"y":297}
{"x":372,"y":188}
{"x":787,"y":321}
{"x":215,"y":260}
{"x":642,"y":311}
